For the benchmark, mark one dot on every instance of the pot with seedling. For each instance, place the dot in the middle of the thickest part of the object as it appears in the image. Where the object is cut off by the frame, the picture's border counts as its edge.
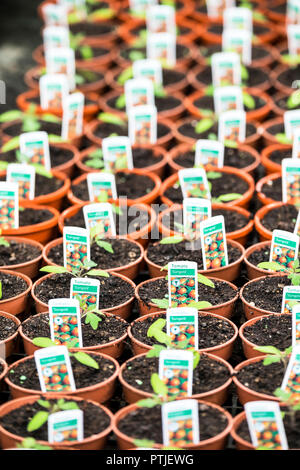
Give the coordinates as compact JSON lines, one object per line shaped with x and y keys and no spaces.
{"x":278,"y":215}
{"x":14,"y":292}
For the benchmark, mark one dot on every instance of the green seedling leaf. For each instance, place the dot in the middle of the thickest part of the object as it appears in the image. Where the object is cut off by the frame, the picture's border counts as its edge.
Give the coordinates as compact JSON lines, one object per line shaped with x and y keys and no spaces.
{"x":12,"y":115}
{"x":155,"y":351}
{"x":12,"y":144}
{"x":121,"y":102}
{"x":98,"y":273}
{"x":86,"y":359}
{"x":248,"y":100}
{"x":161,"y":303}
{"x":196,"y":358}
{"x":282,"y":138}
{"x":37,"y":421}
{"x":202,"y":305}
{"x":230,"y":143}
{"x":213,"y":175}
{"x":282,"y":394}
{"x":209,"y":90}
{"x":93,"y":320}
{"x":136,"y":55}
{"x":204,"y":280}
{"x":146,"y":443}
{"x":54,"y":269}
{"x":105,"y":245}
{"x":111,"y":118}
{"x":158,"y":386}
{"x":127,"y":74}
{"x":157,"y":325}
{"x":244,"y":73}
{"x":51,"y":118}
{"x":43,"y":342}
{"x":44,"y":403}
{"x":41,"y":170}
{"x":71,"y":405}
{"x":101,"y":14}
{"x":293,"y":100}
{"x":159,"y":91}
{"x":270,"y":265}
{"x":229,"y":197}
{"x":86,"y":52}
{"x":212,"y":136}
{"x":171,"y":240}
{"x":204,"y":125}
{"x":147,"y":403}
{"x":268,"y":350}
{"x":3,"y":165}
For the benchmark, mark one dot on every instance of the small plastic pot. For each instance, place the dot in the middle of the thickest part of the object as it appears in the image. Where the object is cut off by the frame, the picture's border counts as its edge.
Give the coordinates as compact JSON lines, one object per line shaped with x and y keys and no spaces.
{"x":267,"y":163}
{"x":240,"y":443}
{"x":10,"y":343}
{"x":18,"y":304}
{"x":265,"y":234}
{"x":29,"y":268}
{"x":265,"y":200}
{"x":253,"y":272}
{"x":268,"y":138}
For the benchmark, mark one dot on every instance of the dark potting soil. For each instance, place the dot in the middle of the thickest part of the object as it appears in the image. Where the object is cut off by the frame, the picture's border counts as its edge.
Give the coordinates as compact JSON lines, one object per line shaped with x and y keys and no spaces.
{"x":289,"y":75}
{"x":207,"y":102}
{"x":95,"y":419}
{"x":17,"y":253}
{"x":258,"y":52}
{"x":271,"y":330}
{"x":258,"y":29}
{"x":142,"y":157}
{"x":170,"y":76}
{"x":124,"y":252}
{"x":33,"y":216}
{"x":158,"y":289}
{"x":11,"y":285}
{"x":44,"y":185}
{"x":260,"y":378}
{"x":281,"y":218}
{"x":105,"y":129}
{"x":7,"y":328}
{"x":126,"y":52}
{"x":161,"y":103}
{"x":109,"y":329}
{"x":266,"y":293}
{"x":282,"y":103}
{"x":278,"y":155}
{"x":256,"y":77}
{"x":58,"y":156}
{"x":1,"y":368}
{"x":92,"y":28}
{"x":208,"y":375}
{"x":131,"y":185}
{"x":212,"y":331}
{"x":97,"y":52}
{"x":188,"y":129}
{"x":17,"y":128}
{"x":273,"y":189}
{"x":143,"y":423}
{"x":113,"y":290}
{"x":259,"y":256}
{"x":276,"y":129}
{"x":181,"y":30}
{"x":232,"y":157}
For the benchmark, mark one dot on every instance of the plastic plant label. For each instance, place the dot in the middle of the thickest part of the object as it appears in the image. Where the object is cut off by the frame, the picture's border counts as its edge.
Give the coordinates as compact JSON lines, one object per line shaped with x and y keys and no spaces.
{"x":9,"y":205}
{"x":72,"y":123}
{"x":66,"y":426}
{"x":24,"y":175}
{"x":87,"y":290}
{"x":161,"y":19}
{"x":142,"y":124}
{"x":117,"y":153}
{"x":290,"y":298}
{"x":215,"y":8}
{"x":232,"y":126}
{"x":76,"y":242}
{"x":226,"y":69}
{"x":176,"y":371}
{"x":193,"y":182}
{"x":195,"y":210}
{"x":140,"y":6}
{"x":265,"y":425}
{"x":291,"y":181}
{"x":65,"y":321}
{"x":228,"y":98}
{"x":209,"y":152}
{"x":297,"y":225}
{"x":101,"y":186}
{"x":35,"y":147}
{"x":296,"y":320}
{"x":139,"y":92}
{"x":293,"y":12}
{"x":54,"y":369}
{"x":55,"y":15}
{"x":239,"y":41}
{"x":180,"y":422}
{"x":54,"y":88}
{"x":182,"y":325}
{"x":291,"y":378}
{"x":75,"y":7}
{"x":213,"y":243}
{"x":293,"y":35}
{"x":61,"y":60}
{"x":147,"y":68}
{"x":284,"y":248}
{"x":162,"y":47}
{"x":100,"y":215}
{"x":291,"y":122}
{"x":56,"y":36}
{"x":237,"y":18}
{"x":182,"y":283}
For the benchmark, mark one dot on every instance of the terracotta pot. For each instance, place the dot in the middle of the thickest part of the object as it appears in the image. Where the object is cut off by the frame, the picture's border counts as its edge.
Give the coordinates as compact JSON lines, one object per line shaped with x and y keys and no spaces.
{"x":212,"y":38}
{"x":242,"y":202}
{"x":240,"y":235}
{"x":274,"y":15}
{"x":123,"y":310}
{"x":68,"y":167}
{"x":94,"y":442}
{"x":265,"y":234}
{"x":275,"y":80}
{"x":107,"y":39}
{"x":268,"y":138}
{"x":5,"y":369}
{"x":253,"y":272}
{"x":265,"y":200}
{"x":240,"y":443}
{"x":223,"y":351}
{"x":277,"y":110}
{"x":10,"y":342}
{"x":224,"y":310}
{"x":214,"y":443}
{"x":129,"y":270}
{"x":16,"y":305}
{"x":268,"y":164}
{"x":29,"y":268}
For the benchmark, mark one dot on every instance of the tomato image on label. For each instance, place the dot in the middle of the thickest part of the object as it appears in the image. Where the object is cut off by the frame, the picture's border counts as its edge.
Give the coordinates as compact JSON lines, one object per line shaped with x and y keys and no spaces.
{"x":293,"y":189}
{"x":268,"y":435}
{"x":214,"y":250}
{"x":182,"y":290}
{"x":7,"y":214}
{"x":176,"y":380}
{"x":182,"y":333}
{"x":65,"y":329}
{"x":293,"y":384}
{"x":283,"y":256}
{"x":180,"y":432}
{"x":76,"y":254}
{"x":56,"y":378}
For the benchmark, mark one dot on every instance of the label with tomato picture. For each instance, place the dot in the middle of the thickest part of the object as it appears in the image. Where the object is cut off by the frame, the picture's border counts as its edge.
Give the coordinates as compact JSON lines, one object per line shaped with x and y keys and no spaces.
{"x":161,"y":19}
{"x":35,"y":147}
{"x":138,"y":92}
{"x":9,"y":205}
{"x":56,"y":36}
{"x":176,"y":371}
{"x":140,"y":5}
{"x":76,"y":242}
{"x":142,"y":125}
{"x":24,"y":175}
{"x":193,"y":183}
{"x":296,"y":144}
{"x":227,"y":98}
{"x":54,"y":88}
{"x":65,"y":426}
{"x":296,"y":322}
{"x":182,"y":283}
{"x":290,"y":298}
{"x":65,"y":322}
{"x":195,"y":210}
{"x":213,"y":243}
{"x":101,"y":186}
{"x":291,"y":380}
{"x":182,"y":326}
{"x":147,"y":68}
{"x":86,"y":291}
{"x":237,"y":18}
{"x":72,"y":122}
{"x":100,"y":215}
{"x":117,"y":153}
{"x":293,"y":12}
{"x":232,"y":126}
{"x":291,"y":122}
{"x":162,"y":47}
{"x":54,"y":369}
{"x":226,"y":69}
{"x":55,"y":15}
{"x":239,"y":41}
{"x":291,"y":181}
{"x":209,"y":152}
{"x":61,"y":60}
{"x":180,"y":422}
{"x":293,"y":36}
{"x":284,"y":248}
{"x":265,"y":425}
{"x":74,"y":6}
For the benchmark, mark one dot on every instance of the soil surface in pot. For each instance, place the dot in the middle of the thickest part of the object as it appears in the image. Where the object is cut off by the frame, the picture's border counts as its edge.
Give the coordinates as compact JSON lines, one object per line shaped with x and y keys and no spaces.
{"x":17,"y":253}
{"x":271,"y":330}
{"x":258,"y":29}
{"x":187,"y":129}
{"x":260,"y":256}
{"x":169,"y":77}
{"x":258,"y":52}
{"x":282,"y":218}
{"x":256,"y":77}
{"x":105,"y":129}
{"x":232,"y":157}
{"x":92,"y":29}
{"x":164,"y":103}
{"x":142,"y":157}
{"x":58,"y":156}
{"x":11,"y":285}
{"x":82,"y":77}
{"x":44,"y":185}
{"x":266,"y":293}
{"x":289,"y":75}
{"x":207,"y":102}
{"x":260,"y":378}
{"x":278,"y":155}
{"x":16,"y":128}
{"x":7,"y":328}
{"x":273,"y":189}
{"x":275,"y":129}
{"x":95,"y":419}
{"x":109,"y":329}
{"x":282,"y":103}
{"x":28,"y":216}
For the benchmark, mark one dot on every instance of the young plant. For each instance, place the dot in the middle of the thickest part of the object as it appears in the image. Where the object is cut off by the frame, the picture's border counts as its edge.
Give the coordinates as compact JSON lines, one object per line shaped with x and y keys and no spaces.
{"x":3,"y":241}
{"x":274,"y":355}
{"x":95,"y":160}
{"x":111,"y":118}
{"x":41,"y":417}
{"x":92,"y":315}
{"x":31,"y":443}
{"x":293,"y":272}
{"x":291,"y":403}
{"x":85,"y":50}
{"x":30,"y":120}
{"x":160,"y":395}
{"x":97,"y":236}
{"x":83,"y":270}
{"x":125,"y":75}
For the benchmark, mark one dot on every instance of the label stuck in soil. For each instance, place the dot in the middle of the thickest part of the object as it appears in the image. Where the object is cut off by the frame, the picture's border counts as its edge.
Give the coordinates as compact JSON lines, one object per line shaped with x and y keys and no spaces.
{"x":139,"y":92}
{"x":195,"y":210}
{"x":237,"y":18}
{"x":99,"y":218}
{"x":54,"y":88}
{"x":61,"y":60}
{"x":293,"y":35}
{"x":296,"y":322}
{"x":213,"y":243}
{"x":86,"y":291}
{"x":35,"y":147}
{"x":141,"y":5}
{"x":226,"y":69}
{"x":182,"y":327}
{"x":291,"y":181}
{"x":76,"y":247}
{"x":55,"y":15}
{"x":293,"y":12}
{"x":161,"y":19}
{"x":54,"y":369}
{"x":232,"y":126}
{"x":239,"y":41}
{"x":147,"y":68}
{"x":180,"y":423}
{"x":56,"y":36}
{"x":142,"y":125}
{"x":291,"y":380}
{"x":182,"y":283}
{"x":101,"y":186}
{"x":117,"y":153}
{"x":209,"y":152}
{"x":284,"y":248}
{"x":227,"y":98}
{"x":66,"y":426}
{"x":72,"y":122}
{"x":9,"y":205}
{"x":65,"y":323}
{"x":193,"y":183}
{"x":162,"y":47}
{"x":176,"y":371}
{"x":24,"y":176}
{"x":290,"y":298}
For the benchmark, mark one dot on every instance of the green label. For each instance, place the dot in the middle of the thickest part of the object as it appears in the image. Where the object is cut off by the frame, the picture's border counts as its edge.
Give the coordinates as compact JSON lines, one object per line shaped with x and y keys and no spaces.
{"x":263,"y":415}
{"x":52,"y":360}
{"x":285,"y":242}
{"x":65,"y":424}
{"x":212,"y":228}
{"x":182,"y":319}
{"x":85,"y":288}
{"x":182,"y":272}
{"x":179,"y":414}
{"x":64,"y":310}
{"x":75,"y":238}
{"x":197,"y":209}
{"x":292,"y":296}
{"x":176,"y":363}
{"x":98,"y":215}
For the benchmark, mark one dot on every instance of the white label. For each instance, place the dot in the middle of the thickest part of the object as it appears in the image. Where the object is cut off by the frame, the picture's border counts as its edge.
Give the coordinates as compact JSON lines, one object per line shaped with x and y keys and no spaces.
{"x":9,"y":205}
{"x":213,"y":242}
{"x":234,"y":40}
{"x":76,"y":247}
{"x":228,"y":98}
{"x":61,"y":60}
{"x":290,"y":298}
{"x":65,"y":321}
{"x":24,"y":175}
{"x":291,"y":122}
{"x":147,"y":68}
{"x":180,"y":422}
{"x":226,"y":69}
{"x":215,"y":8}
{"x":117,"y":153}
{"x":100,"y":215}
{"x":182,"y":283}
{"x":101,"y":186}
{"x":35,"y":147}
{"x":162,"y":47}
{"x":193,"y":182}
{"x":55,"y":15}
{"x":284,"y":248}
{"x":139,"y":92}
{"x":161,"y":19}
{"x":232,"y":126}
{"x":66,"y":426}
{"x":54,"y":369}
{"x":142,"y":123}
{"x":195,"y":210}
{"x":72,"y":123}
{"x":175,"y":364}
{"x":54,"y":88}
{"x":291,"y":180}
{"x":56,"y":36}
{"x":182,"y":325}
{"x":209,"y":152}
{"x":237,"y":18}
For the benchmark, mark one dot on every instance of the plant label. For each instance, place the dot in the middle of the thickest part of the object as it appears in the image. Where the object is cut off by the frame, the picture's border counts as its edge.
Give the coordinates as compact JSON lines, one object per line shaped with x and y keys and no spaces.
{"x":293,"y":35}
{"x":232,"y":126}
{"x":61,"y":60}
{"x":54,"y":88}
{"x":9,"y":205}
{"x":76,"y":242}
{"x":228,"y":98}
{"x":213,"y":243}
{"x":291,"y":122}
{"x":86,"y":291}
{"x":24,"y":175}
{"x":75,"y":8}
{"x":66,"y":426}
{"x":35,"y":147}
{"x":142,"y":122}
{"x":195,"y":210}
{"x":293,"y":12}
{"x":290,"y":298}
{"x":182,"y":327}
{"x":237,"y":18}
{"x":55,"y":15}
{"x":147,"y":68}
{"x":56,"y":36}
{"x":176,"y":371}
{"x":296,"y":144}
{"x":54,"y":369}
{"x":297,"y":225}
{"x":99,"y":218}
{"x":226,"y":69}
{"x":65,"y":321}
{"x":291,"y":378}
{"x":193,"y":182}
{"x":291,"y":181}
{"x":117,"y":153}
{"x":209,"y":152}
{"x":161,"y":19}
{"x":162,"y":47}
{"x":180,"y":423}
{"x":215,"y":8}
{"x":101,"y":186}
{"x":239,"y":41}
{"x":296,"y":319}
{"x":140,"y":6}
{"x":72,"y":123}
{"x":139,"y":92}
{"x":284,"y":248}
{"x":265,"y":425}
{"x":182,"y":283}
